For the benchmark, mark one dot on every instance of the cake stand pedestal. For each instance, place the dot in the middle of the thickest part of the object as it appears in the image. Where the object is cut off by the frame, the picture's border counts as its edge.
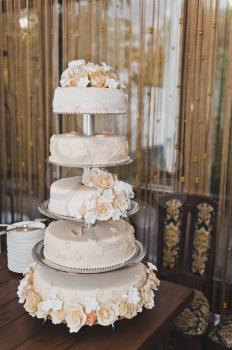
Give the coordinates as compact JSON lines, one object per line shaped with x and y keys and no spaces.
{"x":88,"y":124}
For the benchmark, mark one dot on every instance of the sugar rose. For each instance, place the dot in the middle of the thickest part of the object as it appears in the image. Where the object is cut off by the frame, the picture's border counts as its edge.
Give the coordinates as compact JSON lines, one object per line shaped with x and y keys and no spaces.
{"x":32,"y":301}
{"x":57,"y":316}
{"x":77,"y":77}
{"x":107,"y":314}
{"x":104,"y":180}
{"x":120,"y":202}
{"x":147,"y":296}
{"x":41,"y":311}
{"x":98,"y":79}
{"x":127,"y":310}
{"x":22,"y":290}
{"x":75,"y":317}
{"x":153,"y":281}
{"x":104,"y":210}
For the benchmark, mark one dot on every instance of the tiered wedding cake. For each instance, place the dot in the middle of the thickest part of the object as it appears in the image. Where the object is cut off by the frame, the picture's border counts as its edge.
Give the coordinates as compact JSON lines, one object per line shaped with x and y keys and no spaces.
{"x":88,"y":270}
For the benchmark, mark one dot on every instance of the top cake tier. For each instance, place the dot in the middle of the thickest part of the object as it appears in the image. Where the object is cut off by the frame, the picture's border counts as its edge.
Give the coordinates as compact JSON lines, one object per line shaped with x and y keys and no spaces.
{"x":88,"y":88}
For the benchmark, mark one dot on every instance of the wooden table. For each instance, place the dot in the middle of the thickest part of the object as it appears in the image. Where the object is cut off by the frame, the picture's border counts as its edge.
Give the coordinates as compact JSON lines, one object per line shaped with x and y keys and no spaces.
{"x":149,"y":330}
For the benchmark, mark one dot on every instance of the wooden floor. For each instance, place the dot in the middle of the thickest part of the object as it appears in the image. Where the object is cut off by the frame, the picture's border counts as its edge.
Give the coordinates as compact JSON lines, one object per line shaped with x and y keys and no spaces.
{"x":149,"y":330}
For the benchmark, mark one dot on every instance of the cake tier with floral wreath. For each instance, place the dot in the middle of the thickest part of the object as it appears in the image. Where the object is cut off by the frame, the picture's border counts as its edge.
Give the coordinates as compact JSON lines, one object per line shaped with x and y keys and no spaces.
{"x":89,"y":88}
{"x":98,"y":195}
{"x":79,"y":300}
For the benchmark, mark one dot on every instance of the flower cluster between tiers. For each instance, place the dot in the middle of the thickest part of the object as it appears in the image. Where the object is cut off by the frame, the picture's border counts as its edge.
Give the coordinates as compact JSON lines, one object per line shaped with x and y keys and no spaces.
{"x":111,"y":200}
{"x":89,"y":311}
{"x":82,"y":74}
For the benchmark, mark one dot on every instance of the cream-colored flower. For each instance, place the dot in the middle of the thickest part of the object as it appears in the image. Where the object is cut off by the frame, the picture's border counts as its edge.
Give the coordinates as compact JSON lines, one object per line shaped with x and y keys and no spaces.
{"x":31,"y":268}
{"x":74,"y":81}
{"x":107,"y":314}
{"x":152,"y":280}
{"x":121,"y":203}
{"x":126,"y":309}
{"x":104,"y":210}
{"x":32,"y":301}
{"x":147,"y":296}
{"x":98,"y":79}
{"x":75,"y":317}
{"x":41,"y":311}
{"x":22,"y":290}
{"x":58,"y":316}
{"x":104,"y":180}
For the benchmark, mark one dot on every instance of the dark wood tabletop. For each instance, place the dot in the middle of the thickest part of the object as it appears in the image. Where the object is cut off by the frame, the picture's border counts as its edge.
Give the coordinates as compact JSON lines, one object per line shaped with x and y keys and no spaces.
{"x":148,"y":330}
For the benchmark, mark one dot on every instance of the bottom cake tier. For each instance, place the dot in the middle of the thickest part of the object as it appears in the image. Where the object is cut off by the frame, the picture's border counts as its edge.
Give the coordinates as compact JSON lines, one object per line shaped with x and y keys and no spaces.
{"x":85,"y":299}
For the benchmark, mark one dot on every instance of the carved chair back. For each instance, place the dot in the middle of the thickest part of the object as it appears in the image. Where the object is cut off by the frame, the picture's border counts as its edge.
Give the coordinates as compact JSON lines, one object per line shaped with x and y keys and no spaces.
{"x":186,"y":240}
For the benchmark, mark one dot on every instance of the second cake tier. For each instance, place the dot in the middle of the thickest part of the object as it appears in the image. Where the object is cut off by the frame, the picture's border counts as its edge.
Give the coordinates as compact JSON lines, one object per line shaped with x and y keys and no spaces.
{"x":106,"y":244}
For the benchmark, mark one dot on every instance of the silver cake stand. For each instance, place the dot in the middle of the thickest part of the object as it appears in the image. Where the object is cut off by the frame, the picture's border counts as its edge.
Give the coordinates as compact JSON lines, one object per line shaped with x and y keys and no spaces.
{"x":92,"y":165}
{"x":40,"y":259}
{"x":38,"y":250}
{"x":44,"y":209}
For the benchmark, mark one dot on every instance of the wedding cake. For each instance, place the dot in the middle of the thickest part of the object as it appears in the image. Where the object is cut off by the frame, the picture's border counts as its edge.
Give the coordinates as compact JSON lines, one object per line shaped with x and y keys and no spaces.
{"x":93,"y":239}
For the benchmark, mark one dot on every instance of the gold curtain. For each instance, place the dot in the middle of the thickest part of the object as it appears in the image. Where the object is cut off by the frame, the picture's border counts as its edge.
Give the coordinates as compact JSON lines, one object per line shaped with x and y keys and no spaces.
{"x":175,"y":58}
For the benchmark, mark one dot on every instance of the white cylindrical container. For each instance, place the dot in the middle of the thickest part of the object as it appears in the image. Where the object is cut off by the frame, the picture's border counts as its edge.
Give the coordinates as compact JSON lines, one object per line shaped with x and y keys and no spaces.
{"x":20,"y":244}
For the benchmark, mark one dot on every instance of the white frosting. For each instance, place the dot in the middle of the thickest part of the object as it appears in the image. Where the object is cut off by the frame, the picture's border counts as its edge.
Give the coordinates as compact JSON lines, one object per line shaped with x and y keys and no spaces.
{"x":71,"y":148}
{"x":89,"y":100}
{"x":69,"y":197}
{"x":105,"y":286}
{"x":106,"y":244}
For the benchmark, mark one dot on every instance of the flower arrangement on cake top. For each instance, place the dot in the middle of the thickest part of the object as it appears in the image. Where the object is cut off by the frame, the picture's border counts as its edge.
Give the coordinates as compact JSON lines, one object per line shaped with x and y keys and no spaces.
{"x":81,"y":74}
{"x":112,"y":198}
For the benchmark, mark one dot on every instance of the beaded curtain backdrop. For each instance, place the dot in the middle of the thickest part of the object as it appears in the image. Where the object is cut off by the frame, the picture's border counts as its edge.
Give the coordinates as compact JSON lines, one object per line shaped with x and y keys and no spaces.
{"x":175,"y":59}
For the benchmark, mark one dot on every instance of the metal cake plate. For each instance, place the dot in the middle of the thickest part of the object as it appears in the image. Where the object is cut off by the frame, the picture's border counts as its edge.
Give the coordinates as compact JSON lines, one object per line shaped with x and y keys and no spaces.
{"x":93,"y":165}
{"x":43,"y":209}
{"x":39,"y":258}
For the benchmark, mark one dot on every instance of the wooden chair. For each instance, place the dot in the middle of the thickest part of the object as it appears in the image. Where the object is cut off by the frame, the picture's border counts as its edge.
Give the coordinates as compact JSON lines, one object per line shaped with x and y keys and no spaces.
{"x":220,"y":336}
{"x":185,"y":255}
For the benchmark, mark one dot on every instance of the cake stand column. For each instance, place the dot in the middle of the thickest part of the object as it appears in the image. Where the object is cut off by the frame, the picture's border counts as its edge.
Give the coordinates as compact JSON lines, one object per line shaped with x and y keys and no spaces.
{"x":88,"y":130}
{"x":88,"y":124}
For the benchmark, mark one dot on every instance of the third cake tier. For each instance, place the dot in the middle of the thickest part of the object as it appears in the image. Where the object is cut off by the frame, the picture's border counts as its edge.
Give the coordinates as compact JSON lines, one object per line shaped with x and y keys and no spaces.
{"x":98,"y":195}
{"x":104,"y":245}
